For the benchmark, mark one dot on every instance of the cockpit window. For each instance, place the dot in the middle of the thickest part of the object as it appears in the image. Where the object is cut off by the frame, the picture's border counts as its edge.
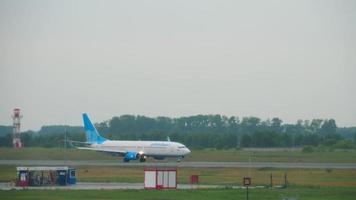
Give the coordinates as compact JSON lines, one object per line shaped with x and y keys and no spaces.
{"x":181,"y":147}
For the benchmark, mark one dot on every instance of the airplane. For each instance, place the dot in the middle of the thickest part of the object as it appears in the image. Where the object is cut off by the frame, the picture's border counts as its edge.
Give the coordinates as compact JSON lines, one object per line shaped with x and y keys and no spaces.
{"x":131,"y":150}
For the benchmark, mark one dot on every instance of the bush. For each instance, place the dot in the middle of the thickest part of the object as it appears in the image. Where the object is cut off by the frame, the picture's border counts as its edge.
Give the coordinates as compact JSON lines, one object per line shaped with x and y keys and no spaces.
{"x":344,"y":144}
{"x":308,"y":149}
{"x":329,"y":142}
{"x":238,"y":148}
{"x":323,"y":148}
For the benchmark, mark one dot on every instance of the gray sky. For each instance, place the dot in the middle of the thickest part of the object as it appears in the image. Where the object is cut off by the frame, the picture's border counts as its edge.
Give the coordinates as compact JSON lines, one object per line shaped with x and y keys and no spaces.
{"x":290,"y":59}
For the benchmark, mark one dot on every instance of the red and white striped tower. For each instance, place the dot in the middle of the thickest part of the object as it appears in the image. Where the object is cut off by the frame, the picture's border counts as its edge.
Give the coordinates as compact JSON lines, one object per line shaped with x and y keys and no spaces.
{"x":16,"y":141}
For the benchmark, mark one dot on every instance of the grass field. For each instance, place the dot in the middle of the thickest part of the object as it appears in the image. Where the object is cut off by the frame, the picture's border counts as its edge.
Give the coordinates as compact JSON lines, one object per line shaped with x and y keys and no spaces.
{"x":305,"y":193}
{"x":220,"y":176}
{"x":326,"y":184}
{"x":304,"y":184}
{"x":196,"y":155}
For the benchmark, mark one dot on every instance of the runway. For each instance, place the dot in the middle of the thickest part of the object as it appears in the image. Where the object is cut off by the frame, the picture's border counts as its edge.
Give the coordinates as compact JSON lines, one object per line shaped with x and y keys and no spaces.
{"x":181,"y":164}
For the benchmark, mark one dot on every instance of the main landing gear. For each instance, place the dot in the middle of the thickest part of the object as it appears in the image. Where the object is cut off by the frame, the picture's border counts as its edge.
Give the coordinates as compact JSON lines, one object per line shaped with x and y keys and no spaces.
{"x":142,"y":158}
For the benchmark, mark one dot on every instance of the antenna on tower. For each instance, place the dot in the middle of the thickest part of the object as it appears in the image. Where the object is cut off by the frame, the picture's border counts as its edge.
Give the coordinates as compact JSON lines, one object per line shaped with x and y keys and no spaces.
{"x":16,"y":139}
{"x":65,"y":142}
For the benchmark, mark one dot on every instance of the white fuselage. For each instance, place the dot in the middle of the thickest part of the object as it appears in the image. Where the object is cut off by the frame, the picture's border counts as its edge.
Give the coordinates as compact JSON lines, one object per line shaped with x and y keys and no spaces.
{"x":148,"y":148}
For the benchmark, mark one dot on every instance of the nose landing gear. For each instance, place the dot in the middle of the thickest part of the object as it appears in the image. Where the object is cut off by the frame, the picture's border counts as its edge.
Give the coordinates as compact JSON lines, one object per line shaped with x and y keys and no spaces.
{"x":180,"y":158}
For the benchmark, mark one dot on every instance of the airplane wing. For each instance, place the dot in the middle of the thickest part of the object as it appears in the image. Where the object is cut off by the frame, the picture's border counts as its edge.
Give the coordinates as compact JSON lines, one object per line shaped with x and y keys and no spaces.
{"x":103,"y":150}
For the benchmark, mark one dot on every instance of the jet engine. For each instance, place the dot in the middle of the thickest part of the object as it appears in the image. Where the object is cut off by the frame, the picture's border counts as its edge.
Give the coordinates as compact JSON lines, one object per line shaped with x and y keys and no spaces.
{"x":131,"y":156}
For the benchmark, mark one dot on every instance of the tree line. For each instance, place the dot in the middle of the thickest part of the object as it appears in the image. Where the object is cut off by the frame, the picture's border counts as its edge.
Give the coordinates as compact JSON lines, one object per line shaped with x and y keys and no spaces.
{"x":203,"y":131}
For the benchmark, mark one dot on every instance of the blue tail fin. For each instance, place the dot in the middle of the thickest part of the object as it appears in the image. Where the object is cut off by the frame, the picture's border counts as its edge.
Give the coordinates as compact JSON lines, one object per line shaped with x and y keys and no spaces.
{"x":92,"y":134}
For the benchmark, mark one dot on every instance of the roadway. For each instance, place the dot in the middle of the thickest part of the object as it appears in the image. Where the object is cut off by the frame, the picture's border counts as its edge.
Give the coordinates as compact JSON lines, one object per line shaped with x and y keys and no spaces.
{"x":181,"y":164}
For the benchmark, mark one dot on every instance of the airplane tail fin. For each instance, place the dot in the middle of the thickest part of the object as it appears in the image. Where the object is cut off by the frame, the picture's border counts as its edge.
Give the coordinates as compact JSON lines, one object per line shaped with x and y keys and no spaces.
{"x":92,"y":134}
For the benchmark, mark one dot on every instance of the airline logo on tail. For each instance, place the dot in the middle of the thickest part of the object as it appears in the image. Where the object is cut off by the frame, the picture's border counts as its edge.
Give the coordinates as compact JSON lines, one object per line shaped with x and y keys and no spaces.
{"x":92,"y":134}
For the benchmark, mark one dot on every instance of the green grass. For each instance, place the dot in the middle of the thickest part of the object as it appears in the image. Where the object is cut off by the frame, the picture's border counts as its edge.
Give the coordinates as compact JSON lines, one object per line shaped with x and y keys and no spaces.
{"x":310,"y":193}
{"x":272,"y":156}
{"x":213,"y":176}
{"x":37,"y":153}
{"x":226,"y":176}
{"x":305,"y":183}
{"x":196,"y":155}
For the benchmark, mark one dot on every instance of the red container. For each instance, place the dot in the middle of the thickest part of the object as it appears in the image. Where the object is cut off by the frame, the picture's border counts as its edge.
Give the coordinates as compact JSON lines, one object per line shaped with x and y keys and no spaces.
{"x":194,"y":179}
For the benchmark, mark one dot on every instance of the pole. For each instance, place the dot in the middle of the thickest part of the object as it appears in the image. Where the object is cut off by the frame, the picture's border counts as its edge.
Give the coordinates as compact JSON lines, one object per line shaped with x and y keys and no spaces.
{"x":247,"y":192}
{"x":249,"y":163}
{"x":271,"y":181}
{"x":65,"y":138}
{"x":285,"y":180}
{"x":65,"y":142}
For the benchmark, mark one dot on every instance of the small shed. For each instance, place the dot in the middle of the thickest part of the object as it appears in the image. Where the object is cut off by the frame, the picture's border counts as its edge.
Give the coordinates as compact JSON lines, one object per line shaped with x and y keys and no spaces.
{"x":160,"y":178}
{"x":45,"y":176}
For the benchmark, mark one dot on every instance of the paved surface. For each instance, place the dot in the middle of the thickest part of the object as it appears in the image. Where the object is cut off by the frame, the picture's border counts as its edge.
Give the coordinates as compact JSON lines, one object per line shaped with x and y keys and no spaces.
{"x":102,"y":186}
{"x":181,"y":164}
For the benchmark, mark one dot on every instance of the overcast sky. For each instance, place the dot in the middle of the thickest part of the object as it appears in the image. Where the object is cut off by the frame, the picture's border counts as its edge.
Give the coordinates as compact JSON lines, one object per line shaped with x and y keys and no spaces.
{"x":288,"y":59}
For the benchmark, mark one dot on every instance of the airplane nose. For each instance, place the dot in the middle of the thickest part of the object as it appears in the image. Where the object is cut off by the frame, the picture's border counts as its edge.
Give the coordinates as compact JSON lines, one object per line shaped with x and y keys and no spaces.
{"x":187,"y":151}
